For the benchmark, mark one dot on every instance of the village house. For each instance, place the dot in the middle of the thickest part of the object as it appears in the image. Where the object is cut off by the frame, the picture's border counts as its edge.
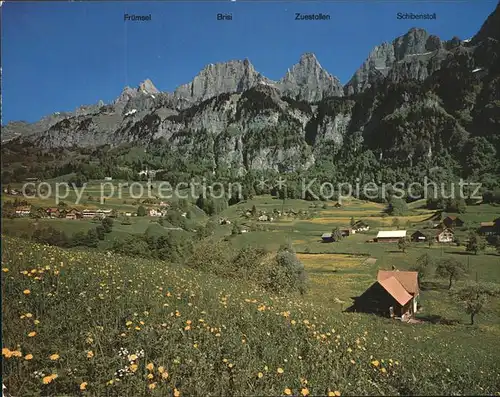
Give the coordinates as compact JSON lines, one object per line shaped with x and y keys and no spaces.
{"x":52,"y":212}
{"x":73,"y":214}
{"x":23,"y":210}
{"x":347,"y":232}
{"x":155,"y":212}
{"x":89,"y":213}
{"x":395,"y":294}
{"x":390,"y":236}
{"x":490,"y":228}
{"x":452,"y":221}
{"x":487,"y":228}
{"x":361,"y":226}
{"x":445,"y":236}
{"x":418,"y":237}
{"x":327,"y":237}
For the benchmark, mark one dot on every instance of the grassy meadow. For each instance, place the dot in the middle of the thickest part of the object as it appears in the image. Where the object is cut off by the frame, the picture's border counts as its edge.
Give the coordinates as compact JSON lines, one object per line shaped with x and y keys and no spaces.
{"x":87,"y":322}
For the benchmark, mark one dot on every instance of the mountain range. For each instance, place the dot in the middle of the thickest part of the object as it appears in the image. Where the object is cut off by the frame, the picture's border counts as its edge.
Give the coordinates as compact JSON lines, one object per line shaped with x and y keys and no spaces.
{"x":412,"y":99}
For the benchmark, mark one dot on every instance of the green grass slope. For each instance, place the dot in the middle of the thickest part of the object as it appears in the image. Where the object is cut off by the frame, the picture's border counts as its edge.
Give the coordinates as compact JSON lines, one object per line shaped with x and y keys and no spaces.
{"x":120,"y":326}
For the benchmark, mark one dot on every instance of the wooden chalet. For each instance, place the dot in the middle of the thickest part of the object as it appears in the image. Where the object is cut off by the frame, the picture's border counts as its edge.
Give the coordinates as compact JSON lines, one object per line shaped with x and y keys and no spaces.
{"x":347,"y":232}
{"x":395,"y":294}
{"x":452,"y":221}
{"x":418,"y":237}
{"x":490,"y":228}
{"x":23,"y":210}
{"x":327,"y":237}
{"x":53,"y":212}
{"x":361,"y":226}
{"x":445,"y":235}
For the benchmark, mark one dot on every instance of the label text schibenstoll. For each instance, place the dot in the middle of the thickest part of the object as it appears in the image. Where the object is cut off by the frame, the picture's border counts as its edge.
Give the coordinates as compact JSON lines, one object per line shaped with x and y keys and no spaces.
{"x":410,"y":15}
{"x":128,"y":17}
{"x":311,"y":17}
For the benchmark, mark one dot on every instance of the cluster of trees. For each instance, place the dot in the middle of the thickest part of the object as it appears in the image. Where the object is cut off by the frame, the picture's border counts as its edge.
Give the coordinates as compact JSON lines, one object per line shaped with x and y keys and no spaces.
{"x":281,"y":272}
{"x":52,"y":236}
{"x":172,"y":246}
{"x":454,"y":205}
{"x":474,"y":296}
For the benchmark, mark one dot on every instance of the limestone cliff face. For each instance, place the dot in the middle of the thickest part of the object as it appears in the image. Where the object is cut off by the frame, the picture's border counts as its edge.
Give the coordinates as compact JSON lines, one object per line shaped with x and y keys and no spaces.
{"x":415,"y":55}
{"x":215,"y":79}
{"x":308,"y":81}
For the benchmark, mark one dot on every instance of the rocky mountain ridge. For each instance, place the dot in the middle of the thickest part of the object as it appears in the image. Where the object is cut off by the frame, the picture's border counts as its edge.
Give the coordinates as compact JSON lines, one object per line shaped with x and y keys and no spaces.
{"x":413,"y":98}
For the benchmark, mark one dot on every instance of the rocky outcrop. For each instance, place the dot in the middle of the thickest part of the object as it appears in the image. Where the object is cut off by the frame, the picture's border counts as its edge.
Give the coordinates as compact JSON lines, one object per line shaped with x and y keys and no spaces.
{"x":490,"y":29}
{"x":308,"y":81}
{"x":215,"y":79}
{"x":407,"y":57}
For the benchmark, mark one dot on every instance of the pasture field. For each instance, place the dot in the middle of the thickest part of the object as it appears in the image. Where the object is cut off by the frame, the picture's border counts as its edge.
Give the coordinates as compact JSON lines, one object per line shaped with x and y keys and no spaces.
{"x":87,"y":323}
{"x":130,"y":326}
{"x":125,"y":198}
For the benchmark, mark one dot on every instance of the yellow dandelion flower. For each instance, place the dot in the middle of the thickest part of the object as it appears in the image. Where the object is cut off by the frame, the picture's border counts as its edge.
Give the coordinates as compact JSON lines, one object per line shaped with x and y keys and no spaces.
{"x":177,"y":393}
{"x":187,"y":328}
{"x":152,"y":386}
{"x":5,"y":269}
{"x":90,"y":354}
{"x":133,"y":367}
{"x":132,"y":357}
{"x":293,"y":322}
{"x":164,"y":375}
{"x":29,"y":315}
{"x":128,"y":323}
{"x":150,"y":376}
{"x":304,"y":391}
{"x":287,"y":392}
{"x":26,"y":292}
{"x":54,"y":357}
{"x":260,"y":375}
{"x":83,"y":386}
{"x":47,"y":379}
{"x":375,"y":363}
{"x":383,"y":370}
{"x":36,"y":322}
{"x":161,"y":369}
{"x":32,"y":334}
{"x":17,"y":353}
{"x":280,"y":370}
{"x":28,"y":357}
{"x":188,"y":322}
{"x":150,"y":367}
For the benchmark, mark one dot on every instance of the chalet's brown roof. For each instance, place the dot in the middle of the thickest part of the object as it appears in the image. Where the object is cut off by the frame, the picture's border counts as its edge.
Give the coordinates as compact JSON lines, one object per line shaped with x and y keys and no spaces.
{"x":396,"y":290}
{"x":409,"y":280}
{"x":487,"y":223}
{"x":439,"y":231}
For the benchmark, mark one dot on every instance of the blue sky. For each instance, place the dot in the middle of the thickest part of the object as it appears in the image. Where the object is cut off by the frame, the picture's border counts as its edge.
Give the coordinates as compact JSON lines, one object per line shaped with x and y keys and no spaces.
{"x":58,"y":56}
